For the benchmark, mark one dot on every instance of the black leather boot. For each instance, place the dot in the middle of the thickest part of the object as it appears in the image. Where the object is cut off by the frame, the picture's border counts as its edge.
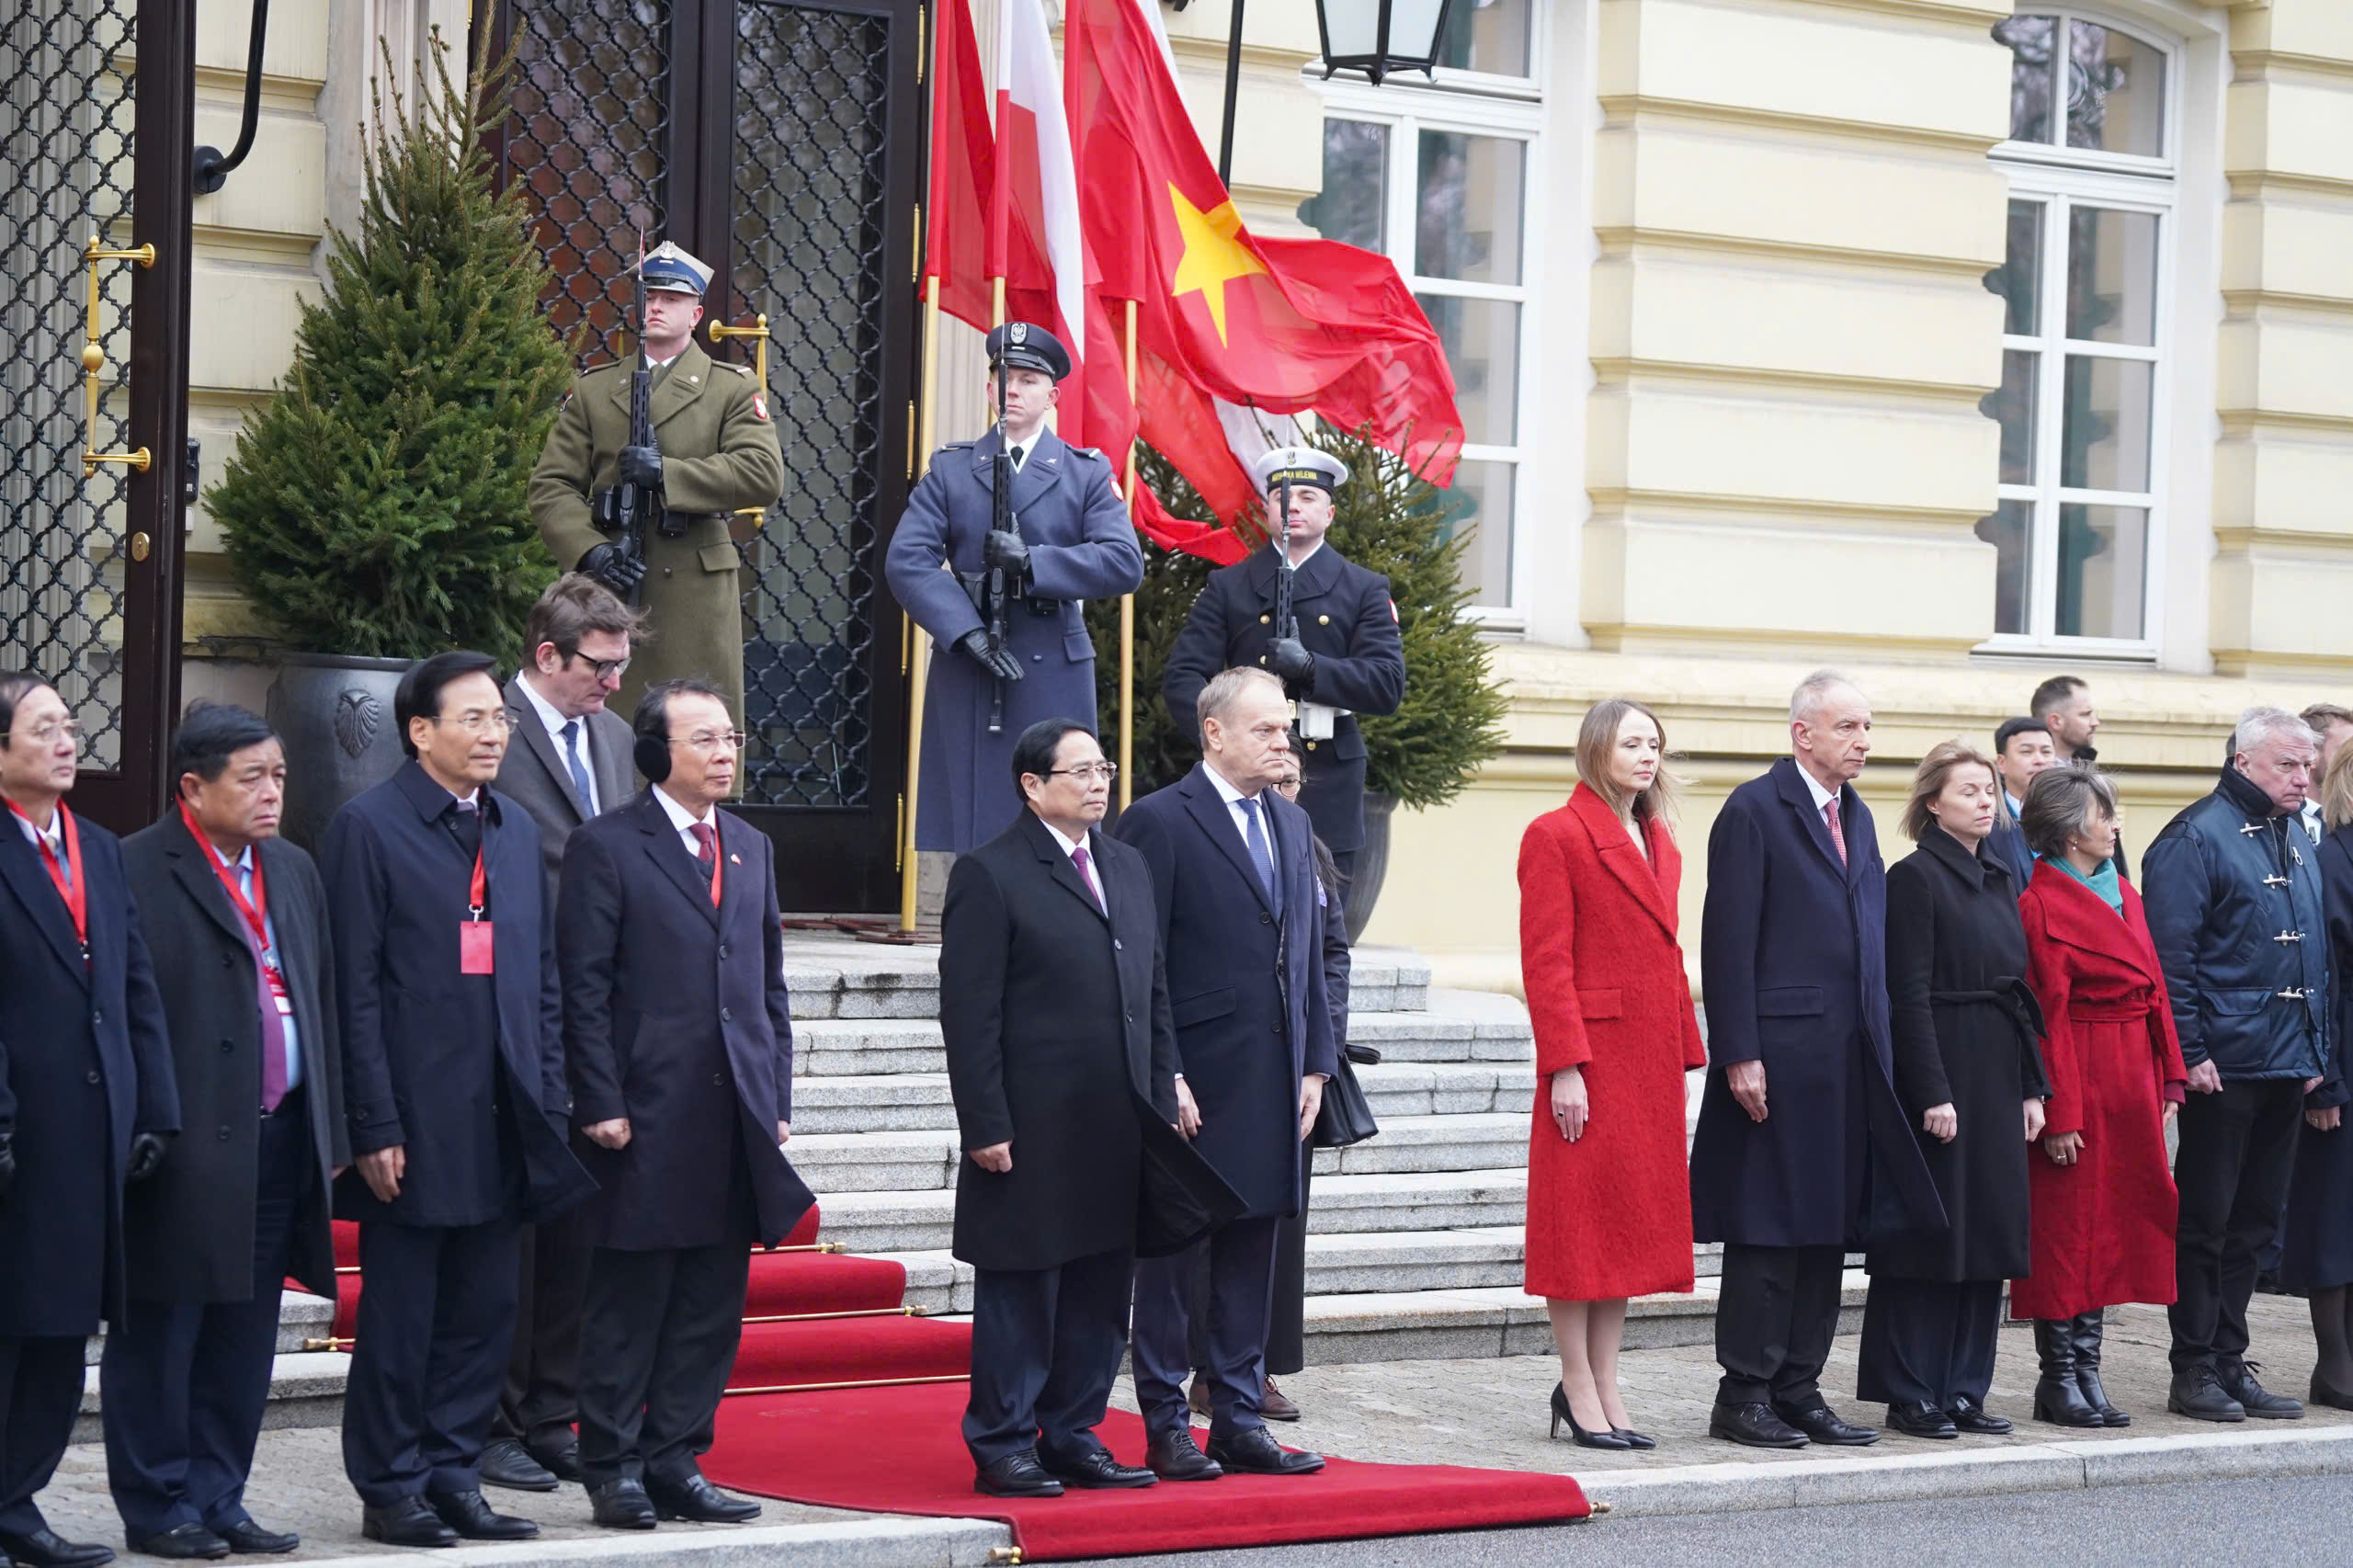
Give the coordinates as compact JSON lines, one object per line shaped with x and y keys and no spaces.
{"x":2057,"y":1400}
{"x":2088,"y":1331}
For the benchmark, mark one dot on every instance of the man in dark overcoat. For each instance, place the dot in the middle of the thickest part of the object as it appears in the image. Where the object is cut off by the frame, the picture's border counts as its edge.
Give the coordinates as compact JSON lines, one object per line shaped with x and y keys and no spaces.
{"x":1793,"y":966}
{"x":454,"y":1087}
{"x":567,"y":760}
{"x":1232,"y":870}
{"x":1072,"y":543}
{"x":1348,"y":658}
{"x":1054,"y":1010}
{"x":237,"y":921}
{"x":678,"y":1037}
{"x":86,"y":1102}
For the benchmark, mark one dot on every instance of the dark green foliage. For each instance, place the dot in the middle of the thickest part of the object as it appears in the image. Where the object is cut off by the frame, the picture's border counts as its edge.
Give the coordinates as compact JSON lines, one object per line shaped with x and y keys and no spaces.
{"x":1388,"y":519}
{"x":376,"y":506}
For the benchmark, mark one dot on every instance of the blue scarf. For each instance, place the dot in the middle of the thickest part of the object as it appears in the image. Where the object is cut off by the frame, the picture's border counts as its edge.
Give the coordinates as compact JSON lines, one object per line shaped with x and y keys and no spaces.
{"x":2102,"y":882}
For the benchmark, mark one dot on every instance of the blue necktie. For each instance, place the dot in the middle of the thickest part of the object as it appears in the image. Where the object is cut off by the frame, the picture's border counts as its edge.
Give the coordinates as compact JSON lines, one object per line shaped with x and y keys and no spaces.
{"x":579,"y":768}
{"x":1260,"y":855}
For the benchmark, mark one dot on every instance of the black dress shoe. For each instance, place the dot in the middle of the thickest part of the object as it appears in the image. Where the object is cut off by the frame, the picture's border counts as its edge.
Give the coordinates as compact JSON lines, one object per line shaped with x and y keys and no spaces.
{"x":1821,"y":1424}
{"x":470,"y":1514}
{"x":505,"y":1462}
{"x":1097,"y":1471}
{"x":1753,"y":1424}
{"x":1968,"y":1415}
{"x":1917,"y":1418}
{"x":1171,"y":1456}
{"x":1254,"y":1450}
{"x":1016,"y":1475}
{"x":187,"y":1542}
{"x":408,"y":1522}
{"x":44,"y":1548}
{"x":2196,"y":1394}
{"x":2237,"y":1378}
{"x":622,"y":1505}
{"x":558,"y":1460}
{"x":696,"y":1500}
{"x":245,"y":1536}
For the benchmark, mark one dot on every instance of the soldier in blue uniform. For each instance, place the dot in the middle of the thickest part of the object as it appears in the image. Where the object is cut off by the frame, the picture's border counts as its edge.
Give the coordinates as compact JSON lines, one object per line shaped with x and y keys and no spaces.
{"x":1347,"y":658}
{"x":1072,"y":541}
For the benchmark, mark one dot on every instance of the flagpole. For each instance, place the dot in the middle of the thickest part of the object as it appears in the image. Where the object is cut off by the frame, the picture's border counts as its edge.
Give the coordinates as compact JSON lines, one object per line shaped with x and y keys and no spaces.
{"x":914,"y":638}
{"x":1128,"y":601}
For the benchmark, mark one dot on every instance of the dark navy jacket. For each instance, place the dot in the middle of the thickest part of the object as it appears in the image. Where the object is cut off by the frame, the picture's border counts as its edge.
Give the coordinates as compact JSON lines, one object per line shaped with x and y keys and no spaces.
{"x":2235,"y":904}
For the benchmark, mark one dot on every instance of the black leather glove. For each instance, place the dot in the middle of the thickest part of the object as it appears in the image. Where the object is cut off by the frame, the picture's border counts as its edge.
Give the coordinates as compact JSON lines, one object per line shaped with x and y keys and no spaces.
{"x":146,"y":1153}
{"x":7,"y":1162}
{"x":1289,"y":659}
{"x":610,"y":567}
{"x":642,"y":465}
{"x":999,"y":662}
{"x":1005,"y":550}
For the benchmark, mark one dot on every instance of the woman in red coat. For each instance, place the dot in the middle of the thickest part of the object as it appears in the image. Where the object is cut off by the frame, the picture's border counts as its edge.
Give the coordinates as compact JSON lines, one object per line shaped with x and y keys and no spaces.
{"x":2103,"y":1199}
{"x":1609,"y":1183}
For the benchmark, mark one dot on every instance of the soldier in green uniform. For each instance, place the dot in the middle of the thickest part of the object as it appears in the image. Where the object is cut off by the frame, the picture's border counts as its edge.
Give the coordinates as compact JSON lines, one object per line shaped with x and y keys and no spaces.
{"x":714,"y":453}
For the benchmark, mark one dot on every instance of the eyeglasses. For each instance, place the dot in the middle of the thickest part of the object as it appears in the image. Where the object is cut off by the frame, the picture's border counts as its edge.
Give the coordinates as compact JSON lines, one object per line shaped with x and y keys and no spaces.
{"x":605,"y":668}
{"x":494,"y":722}
{"x":708,"y":741}
{"x":1290,"y":787}
{"x":46,"y":735}
{"x":1087,"y":771}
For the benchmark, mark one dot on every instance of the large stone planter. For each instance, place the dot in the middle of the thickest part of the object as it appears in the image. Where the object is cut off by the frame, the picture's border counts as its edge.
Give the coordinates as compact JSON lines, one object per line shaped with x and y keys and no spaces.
{"x":1372,"y":862}
{"x":335,"y":716}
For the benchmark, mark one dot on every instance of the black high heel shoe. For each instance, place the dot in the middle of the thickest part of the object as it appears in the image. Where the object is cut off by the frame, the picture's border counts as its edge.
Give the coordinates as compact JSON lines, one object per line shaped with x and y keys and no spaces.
{"x":1561,"y":1412}
{"x":1634,"y":1439}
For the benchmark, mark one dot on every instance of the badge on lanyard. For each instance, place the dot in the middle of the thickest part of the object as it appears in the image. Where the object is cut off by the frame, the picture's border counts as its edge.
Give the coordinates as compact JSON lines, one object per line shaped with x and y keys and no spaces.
{"x":474,"y":935}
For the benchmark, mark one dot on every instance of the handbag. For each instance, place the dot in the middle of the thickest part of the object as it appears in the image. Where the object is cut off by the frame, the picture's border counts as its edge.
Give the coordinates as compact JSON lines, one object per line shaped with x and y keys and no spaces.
{"x":1345,"y":1116}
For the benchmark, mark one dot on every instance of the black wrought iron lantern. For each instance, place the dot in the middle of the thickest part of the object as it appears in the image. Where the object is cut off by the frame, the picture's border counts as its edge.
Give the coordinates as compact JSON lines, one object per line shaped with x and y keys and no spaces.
{"x":1378,"y":36}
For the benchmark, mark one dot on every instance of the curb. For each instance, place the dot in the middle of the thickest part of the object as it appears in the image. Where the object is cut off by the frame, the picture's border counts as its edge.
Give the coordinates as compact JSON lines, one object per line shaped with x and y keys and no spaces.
{"x":904,"y":1540}
{"x":2023,"y":1467}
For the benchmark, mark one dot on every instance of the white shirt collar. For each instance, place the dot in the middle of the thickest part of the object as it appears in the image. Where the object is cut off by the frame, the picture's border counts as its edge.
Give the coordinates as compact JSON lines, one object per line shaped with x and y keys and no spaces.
{"x":1069,"y":845}
{"x":1226,"y":791}
{"x":653,"y":364}
{"x":1308,"y":557}
{"x":681,"y":818}
{"x":1822,"y":796}
{"x":1026,"y":446}
{"x":550,"y":715}
{"x":55,"y":837}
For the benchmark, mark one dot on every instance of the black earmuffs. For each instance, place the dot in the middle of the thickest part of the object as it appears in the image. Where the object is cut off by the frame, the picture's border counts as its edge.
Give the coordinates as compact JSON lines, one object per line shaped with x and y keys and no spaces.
{"x":653,"y":757}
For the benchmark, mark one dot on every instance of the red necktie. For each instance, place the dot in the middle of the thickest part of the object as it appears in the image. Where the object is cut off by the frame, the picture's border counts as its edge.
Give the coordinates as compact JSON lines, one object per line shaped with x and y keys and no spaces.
{"x":1085,"y":864}
{"x":708,"y":853}
{"x":1837,"y":830}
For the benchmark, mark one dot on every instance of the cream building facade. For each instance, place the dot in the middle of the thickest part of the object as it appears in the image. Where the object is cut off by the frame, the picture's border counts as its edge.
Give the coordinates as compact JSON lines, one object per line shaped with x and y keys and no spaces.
{"x":1953,"y":343}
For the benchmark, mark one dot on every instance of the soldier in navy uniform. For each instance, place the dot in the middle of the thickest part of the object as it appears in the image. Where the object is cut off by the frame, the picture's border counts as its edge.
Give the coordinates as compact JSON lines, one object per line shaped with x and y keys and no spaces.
{"x":1345,"y":659}
{"x":1073,"y":541}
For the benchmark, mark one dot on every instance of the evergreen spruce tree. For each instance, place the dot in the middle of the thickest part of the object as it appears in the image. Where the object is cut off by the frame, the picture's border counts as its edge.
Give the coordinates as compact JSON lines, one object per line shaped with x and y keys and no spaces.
{"x":376,"y":506}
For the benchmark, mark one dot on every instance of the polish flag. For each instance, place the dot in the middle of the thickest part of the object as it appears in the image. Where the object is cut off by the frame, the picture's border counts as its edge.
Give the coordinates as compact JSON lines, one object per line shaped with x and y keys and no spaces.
{"x":963,"y":169}
{"x":1034,"y":242}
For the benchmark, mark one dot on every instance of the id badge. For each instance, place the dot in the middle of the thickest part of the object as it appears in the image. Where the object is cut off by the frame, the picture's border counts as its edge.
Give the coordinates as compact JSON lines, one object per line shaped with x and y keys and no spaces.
{"x":474,"y":947}
{"x":277,"y":992}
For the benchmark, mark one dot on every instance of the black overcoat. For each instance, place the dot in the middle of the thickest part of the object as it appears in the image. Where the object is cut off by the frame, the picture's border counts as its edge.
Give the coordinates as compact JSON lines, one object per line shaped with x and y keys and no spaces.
{"x":675,"y":1016}
{"x":1793,"y":968}
{"x":83,"y":1067}
{"x":1056,"y":1021}
{"x":190,"y":1226}
{"x":1967,"y":1031}
{"x":1245,"y":989}
{"x":415,"y":1070}
{"x":1345,"y":619}
{"x":2316,"y":1249}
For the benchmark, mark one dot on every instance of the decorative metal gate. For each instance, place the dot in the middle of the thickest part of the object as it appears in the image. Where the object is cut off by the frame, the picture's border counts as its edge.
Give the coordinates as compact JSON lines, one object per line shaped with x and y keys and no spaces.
{"x":95,"y":99}
{"x":783,"y":136}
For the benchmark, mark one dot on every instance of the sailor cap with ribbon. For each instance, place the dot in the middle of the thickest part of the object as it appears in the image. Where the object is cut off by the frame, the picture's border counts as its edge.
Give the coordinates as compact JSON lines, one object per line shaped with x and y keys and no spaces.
{"x":1299,"y":465}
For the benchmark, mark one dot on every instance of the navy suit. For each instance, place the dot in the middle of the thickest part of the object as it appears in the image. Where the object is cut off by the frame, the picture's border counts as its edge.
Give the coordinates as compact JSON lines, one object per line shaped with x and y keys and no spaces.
{"x":1082,"y":546}
{"x":466,"y":1073}
{"x":1246,"y":991}
{"x":85,"y":1065}
{"x":1793,"y":964}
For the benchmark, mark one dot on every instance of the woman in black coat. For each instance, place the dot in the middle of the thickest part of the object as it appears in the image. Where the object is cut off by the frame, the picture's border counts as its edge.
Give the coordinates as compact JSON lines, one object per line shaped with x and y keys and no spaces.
{"x":2317,"y":1251}
{"x":1965,"y":1029}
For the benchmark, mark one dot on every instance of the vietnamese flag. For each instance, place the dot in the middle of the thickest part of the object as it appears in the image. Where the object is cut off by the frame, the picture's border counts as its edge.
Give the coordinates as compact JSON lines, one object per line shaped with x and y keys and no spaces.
{"x":963,"y":170}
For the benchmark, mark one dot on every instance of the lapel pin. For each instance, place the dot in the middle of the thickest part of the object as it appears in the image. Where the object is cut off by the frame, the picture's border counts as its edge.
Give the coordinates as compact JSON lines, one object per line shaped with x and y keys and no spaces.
{"x":735,"y":859}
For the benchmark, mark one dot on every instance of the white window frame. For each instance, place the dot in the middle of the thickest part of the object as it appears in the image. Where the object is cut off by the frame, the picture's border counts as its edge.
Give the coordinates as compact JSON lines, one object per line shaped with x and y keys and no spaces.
{"x":1475,"y":103}
{"x":2060,"y":178}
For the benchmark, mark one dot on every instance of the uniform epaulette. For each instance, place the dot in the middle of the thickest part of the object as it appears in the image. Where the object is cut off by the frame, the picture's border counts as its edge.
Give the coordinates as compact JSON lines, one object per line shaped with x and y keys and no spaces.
{"x":957,"y":446}
{"x":739,"y":370}
{"x":1090,"y":452}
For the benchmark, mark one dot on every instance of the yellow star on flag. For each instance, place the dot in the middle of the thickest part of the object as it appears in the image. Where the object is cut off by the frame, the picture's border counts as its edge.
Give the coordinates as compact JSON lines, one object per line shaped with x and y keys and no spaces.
{"x":1212,"y":257}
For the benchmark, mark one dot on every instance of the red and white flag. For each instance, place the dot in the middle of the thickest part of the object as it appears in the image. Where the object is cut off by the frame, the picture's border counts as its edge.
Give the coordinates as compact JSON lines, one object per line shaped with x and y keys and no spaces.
{"x":963,"y":170}
{"x":1034,"y":241}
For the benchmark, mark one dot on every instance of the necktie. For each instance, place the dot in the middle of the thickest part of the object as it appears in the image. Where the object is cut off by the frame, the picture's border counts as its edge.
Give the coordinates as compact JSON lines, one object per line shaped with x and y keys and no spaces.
{"x":706,"y":853}
{"x":1260,"y":854}
{"x":1016,"y":455}
{"x":579,"y":766}
{"x":1085,"y":864}
{"x":273,"y":1025}
{"x":1837,"y":830}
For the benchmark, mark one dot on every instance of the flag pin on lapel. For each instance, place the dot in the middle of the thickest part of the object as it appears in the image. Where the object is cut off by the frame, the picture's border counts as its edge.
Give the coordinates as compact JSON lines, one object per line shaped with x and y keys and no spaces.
{"x":735,"y":859}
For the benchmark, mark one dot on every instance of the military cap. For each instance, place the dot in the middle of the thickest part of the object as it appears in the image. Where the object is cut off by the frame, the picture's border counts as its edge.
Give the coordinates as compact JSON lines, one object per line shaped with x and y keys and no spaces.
{"x":671,"y":270}
{"x":1299,"y":465}
{"x":1025,"y":345}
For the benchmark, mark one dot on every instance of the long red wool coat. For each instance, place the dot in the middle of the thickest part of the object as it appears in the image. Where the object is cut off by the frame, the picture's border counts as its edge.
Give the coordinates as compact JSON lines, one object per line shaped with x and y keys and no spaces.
{"x":2103,"y":1228}
{"x":1610,"y":1214}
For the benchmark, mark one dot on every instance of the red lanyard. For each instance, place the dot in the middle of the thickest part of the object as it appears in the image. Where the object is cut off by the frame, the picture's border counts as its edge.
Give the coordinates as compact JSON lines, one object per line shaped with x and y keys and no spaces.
{"x":474,"y":896}
{"x":77,"y":895}
{"x":256,"y":909}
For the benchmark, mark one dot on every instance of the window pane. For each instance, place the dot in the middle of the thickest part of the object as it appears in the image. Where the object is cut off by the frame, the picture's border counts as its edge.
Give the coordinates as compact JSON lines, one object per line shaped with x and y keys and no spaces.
{"x":1479,"y":505}
{"x":2112,"y":276}
{"x":1353,"y":207}
{"x":2010,"y":531}
{"x":2116,"y":91}
{"x":2106,"y":443}
{"x":2103,"y":569}
{"x":1486,"y":35}
{"x":2029,"y":40}
{"x":2012,"y":404}
{"x":2018,"y":281}
{"x":1470,"y":202}
{"x":1481,"y":340}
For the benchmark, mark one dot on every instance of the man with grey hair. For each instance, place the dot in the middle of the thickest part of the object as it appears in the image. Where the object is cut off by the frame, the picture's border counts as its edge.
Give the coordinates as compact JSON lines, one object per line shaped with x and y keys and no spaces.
{"x":2233,"y":901}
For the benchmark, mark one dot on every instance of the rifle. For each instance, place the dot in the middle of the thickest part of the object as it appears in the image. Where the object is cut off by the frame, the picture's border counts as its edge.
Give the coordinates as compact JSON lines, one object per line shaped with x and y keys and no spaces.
{"x":994,"y":587}
{"x":1286,"y":622}
{"x":632,"y":503}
